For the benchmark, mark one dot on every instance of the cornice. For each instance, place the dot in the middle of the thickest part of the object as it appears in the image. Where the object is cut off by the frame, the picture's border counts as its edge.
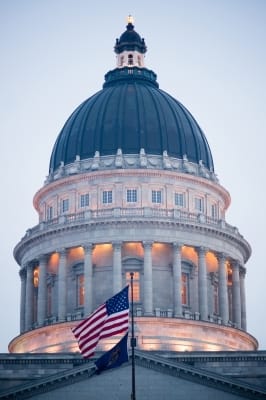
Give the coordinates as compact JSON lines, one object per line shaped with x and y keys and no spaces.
{"x":125,"y":173}
{"x":37,"y":237}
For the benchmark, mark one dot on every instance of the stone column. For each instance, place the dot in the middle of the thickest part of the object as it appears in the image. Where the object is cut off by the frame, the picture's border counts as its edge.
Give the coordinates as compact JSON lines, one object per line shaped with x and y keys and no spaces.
{"x":117,"y":267}
{"x":23,"y":276}
{"x":88,"y":249}
{"x":42,"y":291}
{"x":177,"y":275}
{"x":236,"y":294}
{"x":148,"y":301}
{"x":29,"y":298}
{"x":222,"y":289}
{"x":62,"y":285}
{"x":243,"y":298}
{"x":202,"y":286}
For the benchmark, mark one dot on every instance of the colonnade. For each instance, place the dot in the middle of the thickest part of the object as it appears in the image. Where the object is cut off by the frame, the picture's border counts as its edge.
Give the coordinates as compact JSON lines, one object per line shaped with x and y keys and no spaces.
{"x":235,"y":303}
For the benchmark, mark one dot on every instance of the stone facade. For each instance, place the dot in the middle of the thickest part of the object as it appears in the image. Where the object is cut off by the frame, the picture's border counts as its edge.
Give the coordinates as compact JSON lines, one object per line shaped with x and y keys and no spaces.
{"x":223,"y":375}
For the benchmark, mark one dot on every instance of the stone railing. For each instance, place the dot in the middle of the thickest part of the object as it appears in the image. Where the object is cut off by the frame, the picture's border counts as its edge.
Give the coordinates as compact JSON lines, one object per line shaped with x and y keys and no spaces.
{"x":138,"y":312}
{"x":145,"y":213}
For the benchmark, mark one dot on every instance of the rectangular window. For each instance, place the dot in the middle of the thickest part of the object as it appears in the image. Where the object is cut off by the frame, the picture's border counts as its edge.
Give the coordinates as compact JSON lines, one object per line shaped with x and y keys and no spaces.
{"x":136,"y":286}
{"x":131,"y":195}
{"x":49,"y":300}
{"x":180,"y":199}
{"x":185,"y":289}
{"x":49,"y":213}
{"x":107,"y":196}
{"x":65,"y":205}
{"x":84,"y":200}
{"x":214,"y":211}
{"x":199,"y":204}
{"x":216,"y":299}
{"x":80,"y":290}
{"x":156,"y":196}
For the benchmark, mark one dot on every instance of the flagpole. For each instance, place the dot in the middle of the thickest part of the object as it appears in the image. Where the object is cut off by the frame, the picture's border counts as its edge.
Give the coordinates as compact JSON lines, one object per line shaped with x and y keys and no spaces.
{"x":133,"y":340}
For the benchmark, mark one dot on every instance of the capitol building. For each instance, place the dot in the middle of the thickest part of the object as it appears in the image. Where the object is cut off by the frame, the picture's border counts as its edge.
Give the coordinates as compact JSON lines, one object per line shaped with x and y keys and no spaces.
{"x":132,"y":188}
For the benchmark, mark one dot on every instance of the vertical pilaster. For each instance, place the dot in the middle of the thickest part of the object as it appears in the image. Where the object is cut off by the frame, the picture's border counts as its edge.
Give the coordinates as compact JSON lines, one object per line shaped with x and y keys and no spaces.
{"x":117,"y":267}
{"x":242,"y":273}
{"x":222,"y":289}
{"x":62,"y":285}
{"x":202,"y":286}
{"x":148,"y":300}
{"x":177,"y":275}
{"x":88,"y":249}
{"x":29,"y":297}
{"x":23,"y":277}
{"x":42,"y":291}
{"x":236,"y":294}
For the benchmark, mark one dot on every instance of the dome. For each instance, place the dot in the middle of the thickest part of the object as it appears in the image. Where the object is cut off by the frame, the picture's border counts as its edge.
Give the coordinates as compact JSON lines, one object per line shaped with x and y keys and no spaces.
{"x":131,"y":114}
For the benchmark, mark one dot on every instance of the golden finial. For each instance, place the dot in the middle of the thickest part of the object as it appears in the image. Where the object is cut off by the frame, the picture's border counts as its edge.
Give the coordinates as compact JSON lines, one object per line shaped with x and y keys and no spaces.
{"x":130,"y":19}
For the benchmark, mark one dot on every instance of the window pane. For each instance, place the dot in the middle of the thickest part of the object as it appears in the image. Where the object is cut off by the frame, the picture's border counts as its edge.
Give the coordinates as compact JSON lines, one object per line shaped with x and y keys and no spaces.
{"x":107,"y":196}
{"x":214,"y":211}
{"x":65,"y":205}
{"x":184,"y":289}
{"x":84,"y":200}
{"x":131,"y":195}
{"x":180,"y":199}
{"x":156,"y":196}
{"x":136,"y":286}
{"x":80,"y":290}
{"x":199,"y":205}
{"x":49,"y":213}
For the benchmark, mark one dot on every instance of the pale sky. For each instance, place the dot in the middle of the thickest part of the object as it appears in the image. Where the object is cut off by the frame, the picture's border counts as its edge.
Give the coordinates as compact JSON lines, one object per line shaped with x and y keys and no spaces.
{"x":208,"y":54}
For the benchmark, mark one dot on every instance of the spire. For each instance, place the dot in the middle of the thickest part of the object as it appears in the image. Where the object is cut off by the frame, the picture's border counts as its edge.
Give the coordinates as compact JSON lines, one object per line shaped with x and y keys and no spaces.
{"x":130,"y":20}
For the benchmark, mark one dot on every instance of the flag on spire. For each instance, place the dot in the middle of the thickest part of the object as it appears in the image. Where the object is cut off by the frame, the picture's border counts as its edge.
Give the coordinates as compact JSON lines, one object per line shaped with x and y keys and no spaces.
{"x":109,"y":319}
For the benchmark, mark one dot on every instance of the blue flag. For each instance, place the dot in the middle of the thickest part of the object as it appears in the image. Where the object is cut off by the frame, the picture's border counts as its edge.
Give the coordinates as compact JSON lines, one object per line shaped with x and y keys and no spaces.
{"x":114,"y":357}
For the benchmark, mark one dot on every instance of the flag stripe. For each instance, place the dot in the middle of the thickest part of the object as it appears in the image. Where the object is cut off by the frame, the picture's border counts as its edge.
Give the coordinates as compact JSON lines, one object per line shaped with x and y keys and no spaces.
{"x":109,"y":319}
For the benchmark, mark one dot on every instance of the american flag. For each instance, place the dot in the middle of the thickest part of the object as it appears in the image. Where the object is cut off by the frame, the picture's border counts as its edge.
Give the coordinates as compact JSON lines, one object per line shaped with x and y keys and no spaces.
{"x":109,"y":319}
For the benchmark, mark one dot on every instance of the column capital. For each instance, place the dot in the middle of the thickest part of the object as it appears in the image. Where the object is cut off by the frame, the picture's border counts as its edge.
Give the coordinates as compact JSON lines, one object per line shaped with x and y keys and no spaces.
{"x":22,"y":273}
{"x":235,"y":264}
{"x":220,"y":256}
{"x":201,"y":250}
{"x":177,"y":245}
{"x":147,"y":244}
{"x":242,"y":271}
{"x":61,"y":251}
{"x":29,"y":266}
{"x":88,"y":247}
{"x":43,"y":258}
{"x":117,"y":244}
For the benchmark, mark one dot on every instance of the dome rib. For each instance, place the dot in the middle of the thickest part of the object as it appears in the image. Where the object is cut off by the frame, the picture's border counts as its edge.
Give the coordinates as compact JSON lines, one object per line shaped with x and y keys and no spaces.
{"x":131,"y":113}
